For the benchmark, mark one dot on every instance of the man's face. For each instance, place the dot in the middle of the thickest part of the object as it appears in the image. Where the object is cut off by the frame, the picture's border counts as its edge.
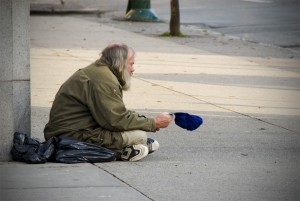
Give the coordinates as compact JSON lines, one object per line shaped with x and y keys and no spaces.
{"x":130,"y":62}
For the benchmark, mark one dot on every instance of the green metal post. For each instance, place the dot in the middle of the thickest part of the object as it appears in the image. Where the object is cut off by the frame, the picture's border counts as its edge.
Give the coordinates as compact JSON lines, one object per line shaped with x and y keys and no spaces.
{"x":140,"y":10}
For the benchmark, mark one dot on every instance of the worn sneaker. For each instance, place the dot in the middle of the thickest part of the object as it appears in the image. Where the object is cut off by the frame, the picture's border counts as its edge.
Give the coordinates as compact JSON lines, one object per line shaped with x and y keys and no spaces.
{"x":152,"y":144}
{"x":134,"y":152}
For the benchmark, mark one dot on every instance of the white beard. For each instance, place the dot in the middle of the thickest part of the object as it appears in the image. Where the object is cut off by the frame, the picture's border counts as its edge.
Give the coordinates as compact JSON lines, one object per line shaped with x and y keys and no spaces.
{"x":127,"y":79}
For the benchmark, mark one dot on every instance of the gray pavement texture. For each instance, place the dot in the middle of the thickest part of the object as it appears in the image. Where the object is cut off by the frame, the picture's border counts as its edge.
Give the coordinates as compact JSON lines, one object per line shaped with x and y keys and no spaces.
{"x":247,"y":93}
{"x":273,"y":22}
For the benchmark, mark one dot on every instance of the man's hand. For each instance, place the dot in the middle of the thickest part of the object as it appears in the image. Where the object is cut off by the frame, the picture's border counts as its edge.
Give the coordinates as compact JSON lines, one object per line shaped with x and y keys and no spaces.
{"x":163,"y":120}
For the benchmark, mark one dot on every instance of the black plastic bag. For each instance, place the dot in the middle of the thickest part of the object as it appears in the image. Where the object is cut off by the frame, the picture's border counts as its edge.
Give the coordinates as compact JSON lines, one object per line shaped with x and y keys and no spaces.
{"x":30,"y":150}
{"x":58,"y":149}
{"x":71,"y":150}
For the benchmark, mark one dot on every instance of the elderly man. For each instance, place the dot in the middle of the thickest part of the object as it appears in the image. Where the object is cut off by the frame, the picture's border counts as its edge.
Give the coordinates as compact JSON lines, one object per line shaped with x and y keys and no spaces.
{"x":89,"y":106}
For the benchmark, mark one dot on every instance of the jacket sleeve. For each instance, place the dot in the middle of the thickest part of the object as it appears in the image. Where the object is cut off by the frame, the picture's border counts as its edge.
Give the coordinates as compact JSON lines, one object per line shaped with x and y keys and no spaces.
{"x":109,"y":111}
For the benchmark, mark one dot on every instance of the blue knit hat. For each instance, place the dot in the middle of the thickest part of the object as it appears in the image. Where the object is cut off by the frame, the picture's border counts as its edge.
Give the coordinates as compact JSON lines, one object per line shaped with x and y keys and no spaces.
{"x":187,"y":121}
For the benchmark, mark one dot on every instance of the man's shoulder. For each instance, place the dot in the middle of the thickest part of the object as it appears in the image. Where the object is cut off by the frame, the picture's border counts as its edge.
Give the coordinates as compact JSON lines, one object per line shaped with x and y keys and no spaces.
{"x":99,"y":73}
{"x":94,"y":69}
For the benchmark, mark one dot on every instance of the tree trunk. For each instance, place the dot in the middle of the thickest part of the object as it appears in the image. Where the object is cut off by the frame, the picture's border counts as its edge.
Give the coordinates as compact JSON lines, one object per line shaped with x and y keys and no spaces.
{"x":175,"y":18}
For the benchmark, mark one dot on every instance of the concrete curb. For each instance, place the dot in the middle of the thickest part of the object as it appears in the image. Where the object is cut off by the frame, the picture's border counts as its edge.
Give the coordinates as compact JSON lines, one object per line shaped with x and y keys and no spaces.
{"x":58,"y":9}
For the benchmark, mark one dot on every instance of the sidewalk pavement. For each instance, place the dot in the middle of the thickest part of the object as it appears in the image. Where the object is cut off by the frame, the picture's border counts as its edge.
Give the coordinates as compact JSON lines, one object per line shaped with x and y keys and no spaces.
{"x":54,"y":181}
{"x":247,"y":148}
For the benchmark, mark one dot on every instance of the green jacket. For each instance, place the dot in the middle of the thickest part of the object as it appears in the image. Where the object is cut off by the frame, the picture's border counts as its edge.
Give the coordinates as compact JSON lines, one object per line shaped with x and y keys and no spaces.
{"x":91,"y":99}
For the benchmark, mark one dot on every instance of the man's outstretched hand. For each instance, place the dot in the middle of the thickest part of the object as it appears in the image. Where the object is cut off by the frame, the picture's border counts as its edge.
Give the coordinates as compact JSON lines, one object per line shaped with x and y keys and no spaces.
{"x":163,"y":120}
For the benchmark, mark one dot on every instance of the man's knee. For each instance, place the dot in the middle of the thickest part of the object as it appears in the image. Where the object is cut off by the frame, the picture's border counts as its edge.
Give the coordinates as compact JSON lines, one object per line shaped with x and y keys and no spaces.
{"x":134,"y":137}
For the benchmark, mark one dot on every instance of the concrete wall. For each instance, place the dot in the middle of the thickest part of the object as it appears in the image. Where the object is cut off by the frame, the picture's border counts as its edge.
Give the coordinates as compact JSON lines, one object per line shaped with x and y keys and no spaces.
{"x":14,"y":72}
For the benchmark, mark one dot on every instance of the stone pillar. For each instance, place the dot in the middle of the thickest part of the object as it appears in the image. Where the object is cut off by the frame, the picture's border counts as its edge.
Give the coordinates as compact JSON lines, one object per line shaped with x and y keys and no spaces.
{"x":14,"y":72}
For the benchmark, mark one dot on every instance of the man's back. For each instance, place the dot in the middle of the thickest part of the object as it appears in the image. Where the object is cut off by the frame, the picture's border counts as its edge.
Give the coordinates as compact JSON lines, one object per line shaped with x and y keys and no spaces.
{"x":71,"y":109}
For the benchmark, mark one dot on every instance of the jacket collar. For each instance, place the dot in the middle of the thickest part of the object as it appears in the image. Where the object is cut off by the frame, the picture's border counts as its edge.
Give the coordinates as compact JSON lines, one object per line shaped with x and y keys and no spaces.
{"x":118,"y":76}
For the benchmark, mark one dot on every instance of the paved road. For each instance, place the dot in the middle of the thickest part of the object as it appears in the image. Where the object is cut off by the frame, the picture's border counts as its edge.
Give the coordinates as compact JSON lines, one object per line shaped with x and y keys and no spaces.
{"x":275,"y":22}
{"x":265,"y":21}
